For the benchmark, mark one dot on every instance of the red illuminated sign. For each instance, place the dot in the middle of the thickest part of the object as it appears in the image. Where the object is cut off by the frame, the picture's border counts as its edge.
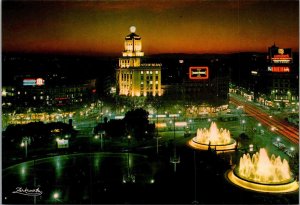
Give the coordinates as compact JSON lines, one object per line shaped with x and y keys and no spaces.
{"x":198,"y":73}
{"x":282,"y":56}
{"x":280,"y":69}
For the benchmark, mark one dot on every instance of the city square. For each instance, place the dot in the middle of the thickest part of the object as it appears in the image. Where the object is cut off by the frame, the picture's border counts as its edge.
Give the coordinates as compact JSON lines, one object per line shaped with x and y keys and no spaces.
{"x":156,"y":118}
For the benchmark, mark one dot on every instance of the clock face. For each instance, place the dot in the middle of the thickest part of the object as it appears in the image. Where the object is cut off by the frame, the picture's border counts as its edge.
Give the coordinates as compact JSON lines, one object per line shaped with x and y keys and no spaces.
{"x":132,"y":29}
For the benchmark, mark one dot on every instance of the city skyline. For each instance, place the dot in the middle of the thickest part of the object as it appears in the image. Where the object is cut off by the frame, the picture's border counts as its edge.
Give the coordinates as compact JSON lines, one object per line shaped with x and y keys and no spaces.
{"x":99,"y":27}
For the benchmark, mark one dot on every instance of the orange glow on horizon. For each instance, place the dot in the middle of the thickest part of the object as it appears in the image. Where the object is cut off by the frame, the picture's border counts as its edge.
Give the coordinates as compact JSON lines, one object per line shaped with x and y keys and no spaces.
{"x":165,"y":26}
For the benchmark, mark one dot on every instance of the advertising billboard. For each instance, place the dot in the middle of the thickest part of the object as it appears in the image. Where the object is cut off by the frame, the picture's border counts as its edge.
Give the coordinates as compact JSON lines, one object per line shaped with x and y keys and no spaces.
{"x":279,"y":69}
{"x":198,"y":73}
{"x":281,"y":55}
{"x":33,"y":81}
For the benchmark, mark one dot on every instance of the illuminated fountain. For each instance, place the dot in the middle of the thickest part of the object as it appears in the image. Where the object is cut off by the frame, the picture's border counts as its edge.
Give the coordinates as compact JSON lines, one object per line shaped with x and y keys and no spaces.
{"x":260,"y":173}
{"x":218,"y":139}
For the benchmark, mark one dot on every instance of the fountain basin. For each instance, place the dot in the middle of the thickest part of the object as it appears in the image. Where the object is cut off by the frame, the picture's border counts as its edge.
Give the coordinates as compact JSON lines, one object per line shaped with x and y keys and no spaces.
{"x":263,"y":174}
{"x":214,"y":138}
{"x":287,"y":187}
{"x":217,"y":147}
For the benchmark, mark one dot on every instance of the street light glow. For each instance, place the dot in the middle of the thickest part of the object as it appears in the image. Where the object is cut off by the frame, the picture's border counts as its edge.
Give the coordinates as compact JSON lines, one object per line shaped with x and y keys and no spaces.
{"x":56,"y":195}
{"x":22,"y":144}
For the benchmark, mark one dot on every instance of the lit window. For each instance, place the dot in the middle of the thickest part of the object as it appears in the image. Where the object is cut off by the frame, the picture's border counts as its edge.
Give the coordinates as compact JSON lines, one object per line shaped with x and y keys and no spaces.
{"x":151,"y":82}
{"x":142,"y":72}
{"x":156,"y":72}
{"x":150,"y":72}
{"x":147,"y":72}
{"x":156,"y":82}
{"x":41,"y":97}
{"x":142,"y":83}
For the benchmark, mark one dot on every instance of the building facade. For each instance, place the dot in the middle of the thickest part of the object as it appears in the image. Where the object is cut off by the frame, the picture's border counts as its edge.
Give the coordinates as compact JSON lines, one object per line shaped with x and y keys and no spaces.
{"x":134,"y":76}
{"x":201,"y":87}
{"x":46,"y":92}
{"x":279,"y":81}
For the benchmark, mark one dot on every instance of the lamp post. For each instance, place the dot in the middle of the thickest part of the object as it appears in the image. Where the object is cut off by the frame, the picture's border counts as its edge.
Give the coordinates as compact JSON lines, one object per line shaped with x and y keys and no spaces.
{"x":195,"y":180}
{"x":129,"y":177}
{"x":24,"y":143}
{"x":56,"y":196}
{"x":175,"y":159}
{"x":259,"y":128}
{"x":190,"y":122}
{"x":243,"y":123}
{"x":278,"y":140}
{"x":157,"y":137}
{"x":128,"y":172}
{"x":157,"y":132}
{"x":101,"y":139}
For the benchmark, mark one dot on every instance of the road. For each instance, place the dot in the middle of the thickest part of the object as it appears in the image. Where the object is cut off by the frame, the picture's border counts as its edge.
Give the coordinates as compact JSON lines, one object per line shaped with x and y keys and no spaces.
{"x":280,"y":127}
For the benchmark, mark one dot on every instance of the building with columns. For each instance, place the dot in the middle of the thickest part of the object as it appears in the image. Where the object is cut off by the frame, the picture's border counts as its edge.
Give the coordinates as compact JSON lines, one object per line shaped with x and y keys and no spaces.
{"x":134,"y":76}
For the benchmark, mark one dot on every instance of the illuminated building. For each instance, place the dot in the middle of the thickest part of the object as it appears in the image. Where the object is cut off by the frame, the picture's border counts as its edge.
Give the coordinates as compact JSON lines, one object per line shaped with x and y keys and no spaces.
{"x":279,"y":81}
{"x":47,"y":92}
{"x":200,"y":85}
{"x":135,"y":77}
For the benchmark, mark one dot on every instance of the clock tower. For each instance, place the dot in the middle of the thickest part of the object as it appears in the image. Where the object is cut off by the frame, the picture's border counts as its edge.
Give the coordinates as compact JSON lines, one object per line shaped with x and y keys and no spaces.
{"x":135,"y":78}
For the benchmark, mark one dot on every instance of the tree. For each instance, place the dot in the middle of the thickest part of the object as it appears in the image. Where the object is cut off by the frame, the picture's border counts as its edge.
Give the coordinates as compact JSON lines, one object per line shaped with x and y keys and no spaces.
{"x":136,"y":123}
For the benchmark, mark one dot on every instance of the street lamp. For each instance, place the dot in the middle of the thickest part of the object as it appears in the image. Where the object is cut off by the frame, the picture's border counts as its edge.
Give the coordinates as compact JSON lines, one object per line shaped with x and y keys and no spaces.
{"x":24,"y":143}
{"x":175,"y":159}
{"x":243,"y":122}
{"x":157,"y":137}
{"x":101,"y":138}
{"x":128,"y":137}
{"x":195,"y":180}
{"x":190,"y":122}
{"x":56,"y":196}
{"x":259,"y":127}
{"x":278,"y":140}
{"x":128,"y":177}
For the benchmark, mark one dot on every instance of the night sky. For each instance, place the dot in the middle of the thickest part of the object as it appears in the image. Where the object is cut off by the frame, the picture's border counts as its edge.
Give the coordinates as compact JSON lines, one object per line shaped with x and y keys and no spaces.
{"x":99,"y":27}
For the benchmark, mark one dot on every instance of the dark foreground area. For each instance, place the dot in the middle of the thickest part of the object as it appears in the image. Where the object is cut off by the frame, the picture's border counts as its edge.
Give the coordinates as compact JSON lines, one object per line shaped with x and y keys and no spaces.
{"x":101,"y":178}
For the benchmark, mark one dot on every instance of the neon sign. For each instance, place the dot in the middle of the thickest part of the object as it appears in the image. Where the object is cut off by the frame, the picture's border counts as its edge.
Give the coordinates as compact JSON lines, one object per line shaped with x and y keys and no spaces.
{"x":279,"y":69}
{"x":29,"y":82}
{"x":33,"y":81}
{"x":198,"y":73}
{"x":282,"y":56}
